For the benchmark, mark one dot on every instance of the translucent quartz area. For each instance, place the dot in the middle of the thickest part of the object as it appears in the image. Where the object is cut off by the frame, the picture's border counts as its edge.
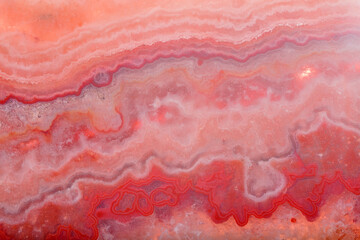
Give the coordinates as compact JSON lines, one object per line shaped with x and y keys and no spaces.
{"x":167,"y":119}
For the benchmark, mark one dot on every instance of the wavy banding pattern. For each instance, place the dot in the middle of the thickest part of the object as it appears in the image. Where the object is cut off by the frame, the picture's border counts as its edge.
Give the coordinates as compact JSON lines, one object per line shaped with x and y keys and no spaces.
{"x":191,"y":120}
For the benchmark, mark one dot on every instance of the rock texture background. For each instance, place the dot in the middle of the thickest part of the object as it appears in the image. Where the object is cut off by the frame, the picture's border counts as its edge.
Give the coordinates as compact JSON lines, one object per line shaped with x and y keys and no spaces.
{"x":231,"y":119}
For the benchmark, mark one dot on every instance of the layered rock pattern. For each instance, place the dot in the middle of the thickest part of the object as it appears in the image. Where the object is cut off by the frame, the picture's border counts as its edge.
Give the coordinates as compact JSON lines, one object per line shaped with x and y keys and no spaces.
{"x":180,"y":120}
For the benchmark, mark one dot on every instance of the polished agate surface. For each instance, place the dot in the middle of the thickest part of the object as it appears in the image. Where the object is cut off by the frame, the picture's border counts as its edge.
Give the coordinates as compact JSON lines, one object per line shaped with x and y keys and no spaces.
{"x":193,"y":119}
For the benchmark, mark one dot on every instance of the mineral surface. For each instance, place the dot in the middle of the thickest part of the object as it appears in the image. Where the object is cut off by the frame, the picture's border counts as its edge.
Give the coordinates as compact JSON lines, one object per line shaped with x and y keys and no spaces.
{"x":193,"y":119}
